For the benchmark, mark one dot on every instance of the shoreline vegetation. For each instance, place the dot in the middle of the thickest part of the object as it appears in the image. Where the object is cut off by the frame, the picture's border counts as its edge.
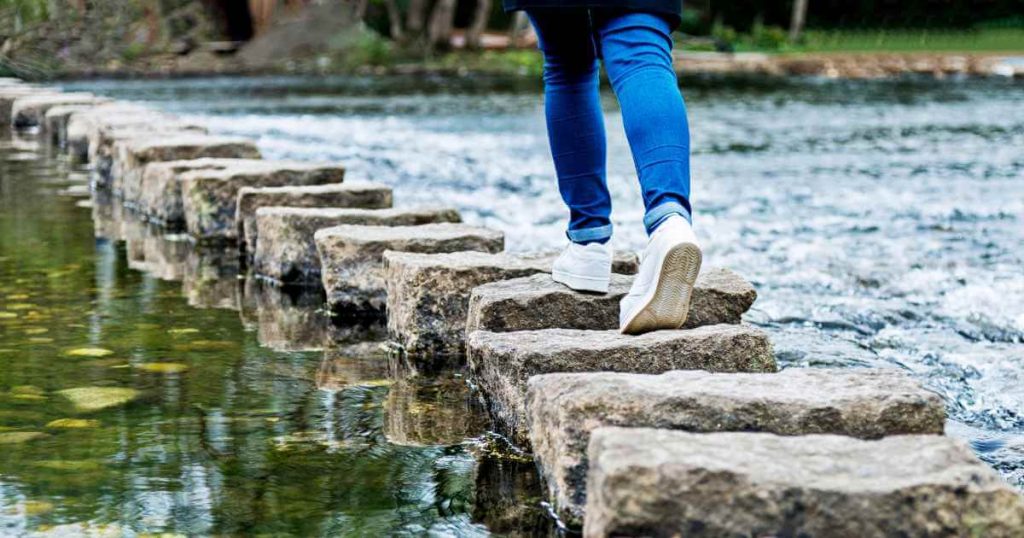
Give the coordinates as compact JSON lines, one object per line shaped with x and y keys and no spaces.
{"x":67,"y":39}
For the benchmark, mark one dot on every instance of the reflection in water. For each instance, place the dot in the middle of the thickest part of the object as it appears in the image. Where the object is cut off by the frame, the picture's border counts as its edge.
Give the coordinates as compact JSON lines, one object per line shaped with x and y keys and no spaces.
{"x":227,"y":436}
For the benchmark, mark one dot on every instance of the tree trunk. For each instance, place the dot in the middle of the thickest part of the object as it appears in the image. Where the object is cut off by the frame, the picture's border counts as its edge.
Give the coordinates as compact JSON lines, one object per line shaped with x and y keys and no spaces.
{"x":475,"y":32}
{"x":796,"y":24}
{"x":520,"y":30}
{"x":394,"y":19}
{"x":359,"y":11}
{"x":439,"y":33}
{"x":416,"y":18}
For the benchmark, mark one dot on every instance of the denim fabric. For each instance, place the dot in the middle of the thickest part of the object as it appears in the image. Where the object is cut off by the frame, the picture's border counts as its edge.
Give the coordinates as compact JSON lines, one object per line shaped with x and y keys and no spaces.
{"x":636,"y":51}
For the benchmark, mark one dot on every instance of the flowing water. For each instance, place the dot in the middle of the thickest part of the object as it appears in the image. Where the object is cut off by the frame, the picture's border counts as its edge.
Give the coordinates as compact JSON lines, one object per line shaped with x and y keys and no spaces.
{"x":880,"y":221}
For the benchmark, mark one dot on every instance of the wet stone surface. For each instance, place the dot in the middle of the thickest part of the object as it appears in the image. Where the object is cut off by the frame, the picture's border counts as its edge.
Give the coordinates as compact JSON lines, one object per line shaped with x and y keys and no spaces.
{"x":563,"y":409}
{"x":502,"y":363}
{"x":665,"y":483}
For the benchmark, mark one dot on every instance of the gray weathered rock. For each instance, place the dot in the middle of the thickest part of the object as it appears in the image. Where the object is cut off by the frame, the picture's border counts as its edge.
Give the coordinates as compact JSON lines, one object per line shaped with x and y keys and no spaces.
{"x":428,"y":294}
{"x":210,"y":197}
{"x":501,"y":363}
{"x":645,"y":482}
{"x":562,"y":410}
{"x":54,"y":126}
{"x":159,"y":193}
{"x":13,"y":92}
{"x":135,"y":151}
{"x":537,"y":302}
{"x":29,"y":111}
{"x":351,"y":257}
{"x":285,"y":250}
{"x":359,"y":195}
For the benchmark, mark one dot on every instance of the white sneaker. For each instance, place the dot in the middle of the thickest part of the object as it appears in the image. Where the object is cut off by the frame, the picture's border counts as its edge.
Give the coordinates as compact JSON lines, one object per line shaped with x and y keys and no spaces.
{"x":660,"y":296}
{"x":584,"y":267}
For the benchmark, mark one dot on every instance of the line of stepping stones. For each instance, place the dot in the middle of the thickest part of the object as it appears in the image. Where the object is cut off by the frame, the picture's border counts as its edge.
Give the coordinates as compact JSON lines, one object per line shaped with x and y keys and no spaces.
{"x":692,"y":432}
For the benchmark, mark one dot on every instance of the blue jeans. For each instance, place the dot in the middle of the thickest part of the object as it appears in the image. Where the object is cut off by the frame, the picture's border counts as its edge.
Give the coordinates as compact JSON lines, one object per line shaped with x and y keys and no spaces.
{"x":636,"y":50}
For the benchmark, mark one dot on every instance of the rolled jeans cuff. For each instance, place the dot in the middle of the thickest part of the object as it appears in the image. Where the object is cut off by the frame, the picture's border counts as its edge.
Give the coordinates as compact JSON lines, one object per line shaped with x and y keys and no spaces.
{"x":658,"y":214}
{"x":598,"y":233}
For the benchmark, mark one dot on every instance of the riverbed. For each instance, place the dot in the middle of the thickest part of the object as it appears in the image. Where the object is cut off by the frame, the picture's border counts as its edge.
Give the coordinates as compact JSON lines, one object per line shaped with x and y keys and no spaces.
{"x":879,"y":221}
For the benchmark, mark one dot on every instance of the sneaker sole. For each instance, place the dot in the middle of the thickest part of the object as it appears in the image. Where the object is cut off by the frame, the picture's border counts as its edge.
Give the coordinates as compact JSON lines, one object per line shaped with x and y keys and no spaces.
{"x":580,"y":282}
{"x":668,"y":304}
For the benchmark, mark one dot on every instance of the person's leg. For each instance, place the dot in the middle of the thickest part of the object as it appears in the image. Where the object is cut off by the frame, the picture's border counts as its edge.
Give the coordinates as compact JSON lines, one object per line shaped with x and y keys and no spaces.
{"x":637,"y":52}
{"x":572,"y":106}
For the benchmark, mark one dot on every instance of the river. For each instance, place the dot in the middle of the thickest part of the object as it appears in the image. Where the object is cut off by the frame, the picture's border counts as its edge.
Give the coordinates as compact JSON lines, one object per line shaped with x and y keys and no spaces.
{"x":879,"y":221}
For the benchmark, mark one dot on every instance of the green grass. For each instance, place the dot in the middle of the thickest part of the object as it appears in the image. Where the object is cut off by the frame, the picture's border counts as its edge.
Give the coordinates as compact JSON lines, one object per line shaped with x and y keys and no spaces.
{"x":982,"y":40}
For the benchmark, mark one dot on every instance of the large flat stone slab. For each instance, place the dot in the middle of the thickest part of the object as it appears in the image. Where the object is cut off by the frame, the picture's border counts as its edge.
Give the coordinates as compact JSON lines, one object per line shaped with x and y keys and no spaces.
{"x":501,"y":363}
{"x":11,"y":93}
{"x":429,"y":294}
{"x":158,"y":195}
{"x":351,"y":257}
{"x":54,"y":126}
{"x":285,"y":249}
{"x":563,"y":410}
{"x":29,"y":110}
{"x":645,"y":482}
{"x":210,"y":196}
{"x":358,"y":195}
{"x":538,"y":302}
{"x":139,"y":148}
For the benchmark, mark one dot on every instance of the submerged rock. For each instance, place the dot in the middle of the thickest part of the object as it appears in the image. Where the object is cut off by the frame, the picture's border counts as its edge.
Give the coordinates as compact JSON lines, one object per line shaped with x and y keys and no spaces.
{"x":285,"y":249}
{"x":645,"y":482}
{"x":501,"y":363}
{"x":88,"y":399}
{"x":352,"y":366}
{"x":210,"y":197}
{"x":359,"y":195}
{"x":351,"y":257}
{"x":73,"y":423}
{"x":562,"y":410}
{"x":538,"y":302}
{"x":94,"y":352}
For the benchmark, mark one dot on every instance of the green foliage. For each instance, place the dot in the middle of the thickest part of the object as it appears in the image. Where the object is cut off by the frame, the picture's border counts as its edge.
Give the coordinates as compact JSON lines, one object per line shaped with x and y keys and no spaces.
{"x":22,"y":12}
{"x":981,"y":40}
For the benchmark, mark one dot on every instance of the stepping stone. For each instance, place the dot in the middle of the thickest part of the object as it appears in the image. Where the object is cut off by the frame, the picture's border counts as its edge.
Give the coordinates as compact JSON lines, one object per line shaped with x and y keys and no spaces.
{"x":285,"y":250}
{"x":501,"y":363}
{"x":646,"y":482}
{"x":89,"y":127}
{"x":537,"y":302}
{"x":209,"y":197}
{"x":427,"y":412}
{"x":11,"y":93}
{"x":360,"y":195}
{"x":29,"y":111}
{"x":351,"y":258}
{"x":159,"y":193}
{"x":563,"y":409}
{"x":132,"y":154}
{"x":428,"y":294}
{"x":55,"y":123}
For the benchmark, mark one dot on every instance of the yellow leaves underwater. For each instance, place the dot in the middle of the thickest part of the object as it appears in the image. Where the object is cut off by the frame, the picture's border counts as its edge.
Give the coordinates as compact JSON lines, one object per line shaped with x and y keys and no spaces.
{"x":88,"y":399}
{"x":94,"y":352}
{"x":162,"y":367}
{"x":73,"y":423}
{"x":17,"y":438}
